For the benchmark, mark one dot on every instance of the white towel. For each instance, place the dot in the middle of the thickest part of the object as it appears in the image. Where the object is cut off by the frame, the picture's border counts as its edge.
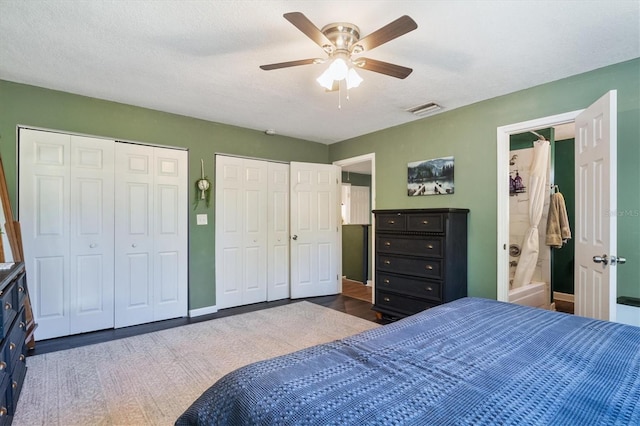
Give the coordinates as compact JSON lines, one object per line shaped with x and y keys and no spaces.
{"x":558,"y":230}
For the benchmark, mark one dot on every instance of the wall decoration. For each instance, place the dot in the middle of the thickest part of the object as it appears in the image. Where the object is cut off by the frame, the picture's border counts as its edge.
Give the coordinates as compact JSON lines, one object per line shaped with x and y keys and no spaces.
{"x":430,"y":177}
{"x":203,"y":187}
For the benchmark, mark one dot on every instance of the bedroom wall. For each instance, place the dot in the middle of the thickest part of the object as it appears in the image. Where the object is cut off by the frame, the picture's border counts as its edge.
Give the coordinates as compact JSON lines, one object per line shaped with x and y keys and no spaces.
{"x":34,"y":106}
{"x":469,"y":134}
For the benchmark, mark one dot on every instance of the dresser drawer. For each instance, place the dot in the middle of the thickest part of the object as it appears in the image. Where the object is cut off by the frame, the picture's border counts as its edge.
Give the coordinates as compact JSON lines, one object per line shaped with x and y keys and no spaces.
{"x":5,"y":400}
{"x":429,"y":247}
{"x":391,"y":222}
{"x":425,"y":223}
{"x":427,"y":268}
{"x":17,"y":380}
{"x":8,"y":307}
{"x":15,"y":342}
{"x":422,"y":288}
{"x":401,"y":304}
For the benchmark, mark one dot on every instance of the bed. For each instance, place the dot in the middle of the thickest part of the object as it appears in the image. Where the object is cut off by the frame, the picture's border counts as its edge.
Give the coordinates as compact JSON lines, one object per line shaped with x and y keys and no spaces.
{"x":469,"y":362}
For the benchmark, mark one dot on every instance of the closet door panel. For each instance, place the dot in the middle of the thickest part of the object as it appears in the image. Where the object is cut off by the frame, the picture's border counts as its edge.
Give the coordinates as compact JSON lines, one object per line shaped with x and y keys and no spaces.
{"x":170,"y":234}
{"x":91,"y":241}
{"x":278,"y":232}
{"x":44,"y":187}
{"x":133,"y":236}
{"x":229,"y":232}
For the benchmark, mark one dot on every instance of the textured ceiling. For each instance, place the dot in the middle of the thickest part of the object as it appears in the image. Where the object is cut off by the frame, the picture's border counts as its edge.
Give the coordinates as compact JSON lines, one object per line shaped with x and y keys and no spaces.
{"x":201,"y":58}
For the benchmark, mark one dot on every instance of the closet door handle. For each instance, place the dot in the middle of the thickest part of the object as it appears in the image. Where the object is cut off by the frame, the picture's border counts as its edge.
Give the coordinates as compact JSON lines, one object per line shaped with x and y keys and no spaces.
{"x":93,"y":245}
{"x":134,"y":245}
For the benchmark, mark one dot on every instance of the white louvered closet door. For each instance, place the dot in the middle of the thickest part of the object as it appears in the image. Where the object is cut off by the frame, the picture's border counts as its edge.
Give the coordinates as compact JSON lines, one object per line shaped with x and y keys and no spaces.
{"x":151,"y":234}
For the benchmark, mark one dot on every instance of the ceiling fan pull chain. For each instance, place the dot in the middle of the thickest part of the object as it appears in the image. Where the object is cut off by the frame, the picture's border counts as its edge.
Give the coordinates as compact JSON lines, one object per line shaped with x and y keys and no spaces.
{"x":339,"y":95}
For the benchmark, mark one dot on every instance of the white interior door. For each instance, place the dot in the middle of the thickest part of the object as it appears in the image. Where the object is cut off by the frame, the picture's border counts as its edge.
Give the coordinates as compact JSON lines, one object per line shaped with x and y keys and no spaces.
{"x":596,"y":201}
{"x":315,"y":230}
{"x":241,"y":231}
{"x":170,"y":236}
{"x":44,"y":217}
{"x":91,"y":234}
{"x":133,"y":236}
{"x":278,"y":229}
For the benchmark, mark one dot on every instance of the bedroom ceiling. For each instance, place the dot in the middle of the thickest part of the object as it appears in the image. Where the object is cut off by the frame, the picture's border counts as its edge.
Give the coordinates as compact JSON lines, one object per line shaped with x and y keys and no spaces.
{"x":201,"y":58}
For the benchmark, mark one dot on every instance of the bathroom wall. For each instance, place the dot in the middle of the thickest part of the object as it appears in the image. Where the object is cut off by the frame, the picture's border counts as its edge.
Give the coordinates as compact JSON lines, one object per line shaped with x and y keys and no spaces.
{"x":519,"y":216}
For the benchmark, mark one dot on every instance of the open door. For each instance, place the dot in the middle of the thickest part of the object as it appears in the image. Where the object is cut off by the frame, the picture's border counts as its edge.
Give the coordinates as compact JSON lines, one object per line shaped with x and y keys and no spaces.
{"x":315,"y":230}
{"x":596,"y":201}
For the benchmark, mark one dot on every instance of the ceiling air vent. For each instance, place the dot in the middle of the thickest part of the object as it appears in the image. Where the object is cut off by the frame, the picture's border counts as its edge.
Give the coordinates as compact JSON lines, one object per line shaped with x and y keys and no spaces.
{"x":425,"y":109}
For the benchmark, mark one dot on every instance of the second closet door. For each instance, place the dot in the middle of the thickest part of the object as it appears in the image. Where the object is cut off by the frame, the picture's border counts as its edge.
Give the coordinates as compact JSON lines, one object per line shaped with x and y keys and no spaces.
{"x":151,"y":234}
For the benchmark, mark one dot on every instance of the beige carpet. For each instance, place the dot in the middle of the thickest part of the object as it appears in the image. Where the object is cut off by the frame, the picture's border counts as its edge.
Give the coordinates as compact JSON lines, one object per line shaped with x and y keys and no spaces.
{"x":152,"y":378}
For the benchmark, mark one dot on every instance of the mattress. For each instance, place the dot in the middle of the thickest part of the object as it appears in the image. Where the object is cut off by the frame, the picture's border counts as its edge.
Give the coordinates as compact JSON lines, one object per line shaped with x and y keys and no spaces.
{"x":472,"y":361}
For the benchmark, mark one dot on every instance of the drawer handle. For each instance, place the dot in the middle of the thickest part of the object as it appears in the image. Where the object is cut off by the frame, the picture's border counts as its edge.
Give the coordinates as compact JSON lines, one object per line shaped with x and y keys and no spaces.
{"x":12,"y":346}
{"x":391,"y":222}
{"x":387,"y":262}
{"x":386,"y":299}
{"x":429,"y":268}
{"x":387,"y":243}
{"x":21,"y":357}
{"x":429,"y":289}
{"x":7,"y":306}
{"x":3,"y":365}
{"x":386,"y":281}
{"x":21,"y":325}
{"x":3,"y":411}
{"x":14,"y":384}
{"x":425,"y":222}
{"x":429,"y":246}
{"x":20,"y":289}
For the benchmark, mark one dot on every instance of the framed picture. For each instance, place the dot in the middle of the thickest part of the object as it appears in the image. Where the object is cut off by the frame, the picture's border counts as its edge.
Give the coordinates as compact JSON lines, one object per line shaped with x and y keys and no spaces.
{"x":430,"y":177}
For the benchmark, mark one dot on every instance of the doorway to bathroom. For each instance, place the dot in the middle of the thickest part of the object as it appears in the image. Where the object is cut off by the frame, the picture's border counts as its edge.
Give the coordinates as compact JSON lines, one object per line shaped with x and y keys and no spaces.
{"x":596,"y":190}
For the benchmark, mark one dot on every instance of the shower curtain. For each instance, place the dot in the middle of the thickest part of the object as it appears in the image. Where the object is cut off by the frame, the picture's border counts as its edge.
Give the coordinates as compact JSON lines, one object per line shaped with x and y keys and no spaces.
{"x":538,"y":192}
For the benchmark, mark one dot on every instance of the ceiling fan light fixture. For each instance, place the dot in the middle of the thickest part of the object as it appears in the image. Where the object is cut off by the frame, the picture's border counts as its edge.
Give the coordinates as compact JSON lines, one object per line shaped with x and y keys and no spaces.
{"x":353,"y":79}
{"x":338,"y":69}
{"x":325,"y":80}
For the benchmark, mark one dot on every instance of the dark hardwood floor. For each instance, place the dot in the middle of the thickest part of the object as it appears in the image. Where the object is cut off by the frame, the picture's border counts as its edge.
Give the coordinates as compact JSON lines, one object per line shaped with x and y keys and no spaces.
{"x":340,"y":302}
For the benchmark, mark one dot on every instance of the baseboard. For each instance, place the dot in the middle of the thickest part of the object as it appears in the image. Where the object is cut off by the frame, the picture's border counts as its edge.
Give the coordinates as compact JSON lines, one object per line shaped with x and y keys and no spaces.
{"x":563,"y":297}
{"x":203,"y":311}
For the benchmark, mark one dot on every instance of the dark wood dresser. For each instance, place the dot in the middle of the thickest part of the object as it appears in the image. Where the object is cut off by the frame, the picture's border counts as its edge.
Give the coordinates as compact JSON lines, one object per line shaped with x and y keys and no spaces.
{"x":421,"y":259}
{"x":13,"y":349}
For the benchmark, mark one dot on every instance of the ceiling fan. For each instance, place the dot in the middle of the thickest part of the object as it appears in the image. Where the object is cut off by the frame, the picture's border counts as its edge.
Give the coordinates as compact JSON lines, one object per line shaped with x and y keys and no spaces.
{"x":341,"y":41}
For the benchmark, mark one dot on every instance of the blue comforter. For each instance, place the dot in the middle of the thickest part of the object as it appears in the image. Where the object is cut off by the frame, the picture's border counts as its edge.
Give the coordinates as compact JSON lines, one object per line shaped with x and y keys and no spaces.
{"x":469,"y":362}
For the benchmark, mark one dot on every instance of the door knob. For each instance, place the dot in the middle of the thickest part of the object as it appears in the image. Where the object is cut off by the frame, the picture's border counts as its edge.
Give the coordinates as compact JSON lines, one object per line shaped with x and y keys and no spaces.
{"x":601,"y":259}
{"x":618,"y":260}
{"x":295,"y":237}
{"x":92,"y":245}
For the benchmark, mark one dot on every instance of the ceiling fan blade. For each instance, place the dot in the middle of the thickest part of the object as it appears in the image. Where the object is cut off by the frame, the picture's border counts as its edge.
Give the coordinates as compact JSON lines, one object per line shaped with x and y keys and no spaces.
{"x":270,"y":67}
{"x":395,"y":29}
{"x":302,"y":23}
{"x":384,"y":68}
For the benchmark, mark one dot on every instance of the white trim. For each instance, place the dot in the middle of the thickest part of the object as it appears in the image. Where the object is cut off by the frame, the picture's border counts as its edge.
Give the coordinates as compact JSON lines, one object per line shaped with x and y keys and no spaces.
{"x":563,"y":297}
{"x":46,"y":129}
{"x":503,"y":133}
{"x":361,"y":159}
{"x":203,"y":311}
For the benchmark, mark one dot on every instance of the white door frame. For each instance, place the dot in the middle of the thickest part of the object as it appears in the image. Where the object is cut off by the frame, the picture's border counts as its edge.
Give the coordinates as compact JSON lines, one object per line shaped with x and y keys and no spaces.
{"x":503,"y":134}
{"x":361,"y":159}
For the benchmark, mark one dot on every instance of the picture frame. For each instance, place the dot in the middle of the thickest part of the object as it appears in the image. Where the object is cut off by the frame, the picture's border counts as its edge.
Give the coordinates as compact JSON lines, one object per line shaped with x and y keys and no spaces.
{"x":431,"y":177}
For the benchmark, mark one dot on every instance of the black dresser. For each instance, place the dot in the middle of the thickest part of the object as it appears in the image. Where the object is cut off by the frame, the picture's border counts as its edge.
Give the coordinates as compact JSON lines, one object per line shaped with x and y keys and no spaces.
{"x":421,"y":259}
{"x":13,"y":349}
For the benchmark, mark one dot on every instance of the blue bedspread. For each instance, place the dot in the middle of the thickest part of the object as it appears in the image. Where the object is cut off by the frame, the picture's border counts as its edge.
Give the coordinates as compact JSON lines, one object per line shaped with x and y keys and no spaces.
{"x":469,"y":362}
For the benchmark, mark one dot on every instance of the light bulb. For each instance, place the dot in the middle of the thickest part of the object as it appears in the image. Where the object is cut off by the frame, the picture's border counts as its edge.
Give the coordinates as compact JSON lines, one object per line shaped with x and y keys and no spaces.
{"x":353,"y":79}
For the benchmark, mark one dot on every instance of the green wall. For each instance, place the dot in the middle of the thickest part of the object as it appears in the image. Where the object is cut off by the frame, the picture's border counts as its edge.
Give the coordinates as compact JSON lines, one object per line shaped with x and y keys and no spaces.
{"x":562,"y":259}
{"x":33,"y":106}
{"x":469,"y":134}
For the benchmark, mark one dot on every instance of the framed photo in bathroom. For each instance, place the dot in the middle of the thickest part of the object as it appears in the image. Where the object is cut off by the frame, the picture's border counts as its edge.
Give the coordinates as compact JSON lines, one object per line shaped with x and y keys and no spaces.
{"x":430,"y":177}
